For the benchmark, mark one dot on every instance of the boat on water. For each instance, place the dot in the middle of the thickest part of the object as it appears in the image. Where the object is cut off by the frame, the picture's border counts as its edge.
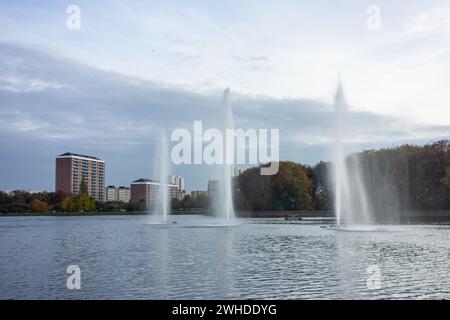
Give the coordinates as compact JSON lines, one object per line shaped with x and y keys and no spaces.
{"x":293,"y":218}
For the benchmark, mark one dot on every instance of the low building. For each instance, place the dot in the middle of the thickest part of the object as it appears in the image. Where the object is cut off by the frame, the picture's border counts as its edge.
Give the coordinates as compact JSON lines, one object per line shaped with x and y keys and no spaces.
{"x":145,"y":192}
{"x":111,"y":193}
{"x":121,"y":194}
{"x":124,"y":194}
{"x":197,"y":193}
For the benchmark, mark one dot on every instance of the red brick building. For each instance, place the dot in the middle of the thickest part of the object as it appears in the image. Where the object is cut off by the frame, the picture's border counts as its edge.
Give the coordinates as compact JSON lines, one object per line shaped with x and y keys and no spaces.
{"x":145,"y":192}
{"x":74,"y":170}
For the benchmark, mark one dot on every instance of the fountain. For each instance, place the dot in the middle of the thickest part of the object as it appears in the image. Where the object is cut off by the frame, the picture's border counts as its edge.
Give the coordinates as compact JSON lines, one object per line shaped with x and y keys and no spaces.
{"x":227,"y":176}
{"x":162,"y":170}
{"x":351,"y":201}
{"x":223,"y":197}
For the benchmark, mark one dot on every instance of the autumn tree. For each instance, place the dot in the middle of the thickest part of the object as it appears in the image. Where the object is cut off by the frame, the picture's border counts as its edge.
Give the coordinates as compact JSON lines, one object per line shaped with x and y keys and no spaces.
{"x":289,"y":189}
{"x":39,"y":206}
{"x":67,"y":204}
{"x":446,"y":179}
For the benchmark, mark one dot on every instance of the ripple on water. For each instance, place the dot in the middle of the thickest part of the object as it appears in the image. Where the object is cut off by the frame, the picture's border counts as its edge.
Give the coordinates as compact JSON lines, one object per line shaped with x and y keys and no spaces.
{"x":123,"y":257}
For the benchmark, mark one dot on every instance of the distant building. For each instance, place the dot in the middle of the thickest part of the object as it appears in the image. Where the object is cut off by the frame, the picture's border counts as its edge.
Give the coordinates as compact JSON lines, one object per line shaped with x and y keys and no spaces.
{"x":197,"y":193}
{"x":124,"y":194}
{"x":213,"y":188}
{"x":111,"y":193}
{"x":145,"y":192}
{"x":235,"y":171}
{"x":178,"y":181}
{"x":73,"y":170}
{"x":214,"y":185}
{"x":121,"y":194}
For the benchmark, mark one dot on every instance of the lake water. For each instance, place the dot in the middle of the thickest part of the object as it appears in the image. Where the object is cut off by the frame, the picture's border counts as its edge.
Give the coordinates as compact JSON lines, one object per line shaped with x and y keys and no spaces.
{"x":124,"y":257}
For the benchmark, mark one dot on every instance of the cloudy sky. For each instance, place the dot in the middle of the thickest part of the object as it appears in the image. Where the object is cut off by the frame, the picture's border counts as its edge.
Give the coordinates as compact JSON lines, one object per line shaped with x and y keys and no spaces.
{"x":136,"y":66}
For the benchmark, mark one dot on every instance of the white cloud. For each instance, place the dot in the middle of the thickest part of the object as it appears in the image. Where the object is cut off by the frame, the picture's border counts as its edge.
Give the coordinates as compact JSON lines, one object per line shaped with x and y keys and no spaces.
{"x":169,"y":62}
{"x":299,"y":49}
{"x":27,"y":84}
{"x":18,"y":121}
{"x":430,"y":21}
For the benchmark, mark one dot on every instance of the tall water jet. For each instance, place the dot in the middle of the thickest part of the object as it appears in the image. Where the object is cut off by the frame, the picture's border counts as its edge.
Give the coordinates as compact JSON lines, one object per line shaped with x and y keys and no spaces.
{"x":227,"y":174}
{"x":223,"y":198}
{"x":162,"y":171}
{"x":351,"y":201}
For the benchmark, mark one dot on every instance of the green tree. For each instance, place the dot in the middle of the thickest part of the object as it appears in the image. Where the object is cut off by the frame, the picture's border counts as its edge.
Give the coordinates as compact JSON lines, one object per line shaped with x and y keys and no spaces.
{"x":322,"y":189}
{"x":67,"y":204}
{"x":289,"y":189}
{"x":446,"y":179}
{"x":186,"y":203}
{"x":252,"y":191}
{"x":175,"y":203}
{"x":83,"y":186}
{"x":4,"y":198}
{"x":200,"y":202}
{"x":132,"y":206}
{"x":81,"y":202}
{"x":55,"y":199}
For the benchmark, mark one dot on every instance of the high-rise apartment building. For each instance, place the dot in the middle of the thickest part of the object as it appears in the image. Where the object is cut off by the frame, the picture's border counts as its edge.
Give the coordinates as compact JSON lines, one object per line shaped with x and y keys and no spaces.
{"x":178,"y":181}
{"x":213,"y":188}
{"x":235,"y":171}
{"x":75,"y":172}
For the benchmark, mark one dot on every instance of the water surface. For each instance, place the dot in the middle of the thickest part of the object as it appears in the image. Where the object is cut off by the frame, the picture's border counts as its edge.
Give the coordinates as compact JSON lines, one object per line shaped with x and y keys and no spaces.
{"x":125,"y":257}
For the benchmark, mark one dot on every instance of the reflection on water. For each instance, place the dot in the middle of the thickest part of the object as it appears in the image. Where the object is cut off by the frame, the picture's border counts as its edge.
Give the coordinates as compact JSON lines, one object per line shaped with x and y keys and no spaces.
{"x":125,"y":257}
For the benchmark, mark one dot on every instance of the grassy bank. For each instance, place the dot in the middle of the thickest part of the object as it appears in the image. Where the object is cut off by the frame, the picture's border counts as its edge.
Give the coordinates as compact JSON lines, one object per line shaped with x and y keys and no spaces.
{"x":403,"y":217}
{"x":246,"y":214}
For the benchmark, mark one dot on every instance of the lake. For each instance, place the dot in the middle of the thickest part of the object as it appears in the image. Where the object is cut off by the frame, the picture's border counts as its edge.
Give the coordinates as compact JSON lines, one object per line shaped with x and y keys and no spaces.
{"x":124,"y":257}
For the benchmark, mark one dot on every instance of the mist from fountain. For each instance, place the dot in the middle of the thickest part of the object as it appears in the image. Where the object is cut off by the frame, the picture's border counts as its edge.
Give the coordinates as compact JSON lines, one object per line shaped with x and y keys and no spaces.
{"x":351,"y":201}
{"x":162,"y":171}
{"x":223,"y":197}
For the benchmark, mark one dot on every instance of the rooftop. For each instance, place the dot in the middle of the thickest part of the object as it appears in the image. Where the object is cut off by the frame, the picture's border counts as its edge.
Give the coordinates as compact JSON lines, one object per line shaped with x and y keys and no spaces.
{"x":143,"y":180}
{"x":70,"y":154}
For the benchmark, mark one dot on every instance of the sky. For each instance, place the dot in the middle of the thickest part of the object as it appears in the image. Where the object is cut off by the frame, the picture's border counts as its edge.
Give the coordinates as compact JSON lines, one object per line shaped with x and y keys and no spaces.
{"x":135,"y":67}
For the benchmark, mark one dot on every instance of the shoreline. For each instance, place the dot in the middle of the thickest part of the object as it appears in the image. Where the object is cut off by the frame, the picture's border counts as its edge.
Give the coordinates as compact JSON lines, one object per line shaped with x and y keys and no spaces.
{"x":242,"y":214}
{"x":402,"y":217}
{"x":100,"y":213}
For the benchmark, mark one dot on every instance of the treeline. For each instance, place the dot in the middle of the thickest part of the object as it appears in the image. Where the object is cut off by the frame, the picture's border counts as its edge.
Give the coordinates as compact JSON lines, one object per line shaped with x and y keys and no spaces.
{"x":408,"y":177}
{"x":187,"y":203}
{"x":405,"y":177}
{"x":45,"y":202}
{"x":290,"y":189}
{"x":24,"y":201}
{"x":20,"y":201}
